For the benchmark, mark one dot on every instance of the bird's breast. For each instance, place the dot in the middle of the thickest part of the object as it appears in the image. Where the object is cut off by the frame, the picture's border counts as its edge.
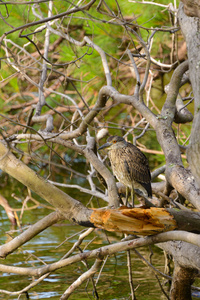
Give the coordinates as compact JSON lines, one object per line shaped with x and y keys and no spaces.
{"x":119,"y":168}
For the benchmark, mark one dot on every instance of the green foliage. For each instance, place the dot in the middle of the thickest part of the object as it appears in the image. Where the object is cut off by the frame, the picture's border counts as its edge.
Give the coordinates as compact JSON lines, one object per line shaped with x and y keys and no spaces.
{"x":77,"y":72}
{"x":88,"y":70}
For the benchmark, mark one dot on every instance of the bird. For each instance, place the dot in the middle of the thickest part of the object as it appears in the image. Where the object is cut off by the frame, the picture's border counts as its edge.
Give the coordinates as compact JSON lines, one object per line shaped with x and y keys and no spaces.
{"x":129,"y":165}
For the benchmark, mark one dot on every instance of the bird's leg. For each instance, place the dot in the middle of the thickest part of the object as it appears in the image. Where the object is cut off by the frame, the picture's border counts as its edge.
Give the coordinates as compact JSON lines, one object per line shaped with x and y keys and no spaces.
{"x":132,"y":195}
{"x":127,"y":192}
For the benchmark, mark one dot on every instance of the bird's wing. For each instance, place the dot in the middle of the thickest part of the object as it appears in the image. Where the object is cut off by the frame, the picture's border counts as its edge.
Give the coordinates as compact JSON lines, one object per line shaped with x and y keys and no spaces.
{"x":136,"y":164}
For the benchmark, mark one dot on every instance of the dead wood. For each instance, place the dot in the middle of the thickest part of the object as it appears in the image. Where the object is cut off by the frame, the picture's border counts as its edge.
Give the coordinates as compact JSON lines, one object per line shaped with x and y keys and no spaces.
{"x":144,"y":221}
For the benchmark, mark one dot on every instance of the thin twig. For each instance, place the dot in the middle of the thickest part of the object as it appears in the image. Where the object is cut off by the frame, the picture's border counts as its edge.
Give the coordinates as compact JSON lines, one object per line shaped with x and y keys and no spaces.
{"x":82,"y":278}
{"x":130,"y":277}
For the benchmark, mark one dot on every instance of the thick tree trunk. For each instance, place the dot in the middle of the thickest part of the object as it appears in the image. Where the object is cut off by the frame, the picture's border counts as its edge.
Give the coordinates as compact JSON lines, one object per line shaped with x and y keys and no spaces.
{"x":184,"y":254}
{"x":192,"y":8}
{"x":190,"y":27}
{"x":181,"y":284}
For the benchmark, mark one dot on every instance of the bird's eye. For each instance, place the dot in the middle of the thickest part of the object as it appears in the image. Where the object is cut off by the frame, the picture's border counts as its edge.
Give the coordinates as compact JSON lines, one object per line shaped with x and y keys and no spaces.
{"x":114,"y":142}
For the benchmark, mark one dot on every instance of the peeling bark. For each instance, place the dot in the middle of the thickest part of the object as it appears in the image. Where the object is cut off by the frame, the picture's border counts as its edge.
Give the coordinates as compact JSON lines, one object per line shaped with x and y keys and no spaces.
{"x":144,"y":221}
{"x":134,"y":221}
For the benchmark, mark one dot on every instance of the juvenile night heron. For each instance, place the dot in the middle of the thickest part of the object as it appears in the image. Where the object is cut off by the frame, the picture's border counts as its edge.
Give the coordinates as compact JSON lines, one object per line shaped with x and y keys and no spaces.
{"x":129,"y":165}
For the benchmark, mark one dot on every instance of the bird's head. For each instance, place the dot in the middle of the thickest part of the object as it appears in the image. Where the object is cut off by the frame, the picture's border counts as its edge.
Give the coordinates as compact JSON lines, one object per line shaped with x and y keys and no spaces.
{"x":114,"y":142}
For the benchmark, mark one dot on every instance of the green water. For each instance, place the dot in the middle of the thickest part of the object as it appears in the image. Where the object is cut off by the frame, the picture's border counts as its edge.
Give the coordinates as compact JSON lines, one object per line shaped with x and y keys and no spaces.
{"x":113,"y":283}
{"x":48,"y":247}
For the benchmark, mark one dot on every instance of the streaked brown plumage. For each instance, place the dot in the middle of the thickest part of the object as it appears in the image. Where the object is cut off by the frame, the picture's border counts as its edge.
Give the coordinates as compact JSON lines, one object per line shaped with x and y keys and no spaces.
{"x":129,"y":164}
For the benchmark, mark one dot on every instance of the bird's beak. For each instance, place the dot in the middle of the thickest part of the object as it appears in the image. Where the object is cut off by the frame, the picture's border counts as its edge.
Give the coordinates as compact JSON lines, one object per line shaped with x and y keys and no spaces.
{"x":106,"y":145}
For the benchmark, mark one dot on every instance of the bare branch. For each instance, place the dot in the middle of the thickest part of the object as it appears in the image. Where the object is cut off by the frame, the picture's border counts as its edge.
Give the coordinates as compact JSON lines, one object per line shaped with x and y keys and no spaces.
{"x":99,"y":166}
{"x":71,"y":11}
{"x":32,"y":231}
{"x":68,"y":206}
{"x":82,"y":278}
{"x":106,"y":250}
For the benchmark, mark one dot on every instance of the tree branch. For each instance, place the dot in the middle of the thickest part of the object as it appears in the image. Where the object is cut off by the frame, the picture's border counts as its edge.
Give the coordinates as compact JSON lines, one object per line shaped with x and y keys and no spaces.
{"x":106,"y":250}
{"x":82,"y":278}
{"x":72,"y":209}
{"x":31,"y":232}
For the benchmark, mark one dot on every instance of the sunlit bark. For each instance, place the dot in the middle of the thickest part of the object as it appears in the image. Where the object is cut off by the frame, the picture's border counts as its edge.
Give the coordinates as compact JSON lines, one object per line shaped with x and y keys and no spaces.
{"x":190,"y":29}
